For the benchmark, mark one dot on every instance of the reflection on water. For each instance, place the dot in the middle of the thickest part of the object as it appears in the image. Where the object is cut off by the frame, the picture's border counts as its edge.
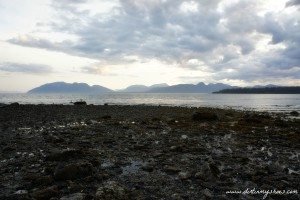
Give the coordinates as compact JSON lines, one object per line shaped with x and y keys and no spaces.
{"x":268,"y":102}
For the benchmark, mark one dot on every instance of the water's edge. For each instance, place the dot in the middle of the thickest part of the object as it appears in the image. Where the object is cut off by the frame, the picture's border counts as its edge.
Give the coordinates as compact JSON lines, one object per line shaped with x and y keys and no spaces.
{"x":257,"y":102}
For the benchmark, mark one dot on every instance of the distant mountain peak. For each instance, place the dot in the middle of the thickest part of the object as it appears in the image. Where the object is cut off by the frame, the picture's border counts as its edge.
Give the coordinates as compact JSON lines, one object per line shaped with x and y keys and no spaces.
{"x":142,"y":88}
{"x":63,"y":87}
{"x":191,"y":88}
{"x":201,"y":83}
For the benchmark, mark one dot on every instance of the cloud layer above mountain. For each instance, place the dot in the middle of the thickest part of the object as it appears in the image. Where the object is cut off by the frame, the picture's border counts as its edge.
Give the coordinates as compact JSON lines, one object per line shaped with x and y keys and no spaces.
{"x":25,"y":68}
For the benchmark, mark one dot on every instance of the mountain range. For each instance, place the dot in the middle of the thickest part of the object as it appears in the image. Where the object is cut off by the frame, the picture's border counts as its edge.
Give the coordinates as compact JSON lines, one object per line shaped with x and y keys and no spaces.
{"x":142,"y":88}
{"x":62,"y":87}
{"x":191,"y":88}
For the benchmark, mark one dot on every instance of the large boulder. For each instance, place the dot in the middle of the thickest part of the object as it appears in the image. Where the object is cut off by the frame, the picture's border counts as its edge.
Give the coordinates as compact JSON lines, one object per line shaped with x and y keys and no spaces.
{"x":73,"y":171}
{"x":14,"y":104}
{"x":64,"y":155}
{"x":294,"y":113}
{"x":204,"y":116}
{"x":80,"y":103}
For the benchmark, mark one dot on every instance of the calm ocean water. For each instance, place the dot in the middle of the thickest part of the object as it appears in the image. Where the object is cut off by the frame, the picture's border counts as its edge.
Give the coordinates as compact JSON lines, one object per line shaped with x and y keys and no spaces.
{"x":265,"y":102}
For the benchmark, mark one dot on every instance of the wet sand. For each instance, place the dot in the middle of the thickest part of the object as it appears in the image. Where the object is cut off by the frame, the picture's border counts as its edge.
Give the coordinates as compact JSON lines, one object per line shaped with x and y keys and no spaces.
{"x":145,"y":152}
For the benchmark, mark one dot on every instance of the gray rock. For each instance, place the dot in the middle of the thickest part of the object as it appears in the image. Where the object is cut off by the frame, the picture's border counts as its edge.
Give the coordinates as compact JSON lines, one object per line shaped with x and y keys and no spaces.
{"x":207,"y":193}
{"x":75,"y":196}
{"x":184,"y":175}
{"x":21,"y":192}
{"x":46,"y":193}
{"x":208,"y":172}
{"x":148,"y":167}
{"x":112,"y":190}
{"x":171,"y":169}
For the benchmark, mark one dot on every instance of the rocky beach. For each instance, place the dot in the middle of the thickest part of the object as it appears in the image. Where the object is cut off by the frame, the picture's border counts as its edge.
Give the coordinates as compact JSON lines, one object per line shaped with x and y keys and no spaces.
{"x":77,"y":152}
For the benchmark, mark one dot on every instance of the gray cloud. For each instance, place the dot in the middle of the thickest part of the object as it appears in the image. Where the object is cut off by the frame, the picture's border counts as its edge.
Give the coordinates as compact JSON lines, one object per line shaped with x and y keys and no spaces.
{"x":25,"y":68}
{"x":160,"y":29}
{"x":292,"y":3}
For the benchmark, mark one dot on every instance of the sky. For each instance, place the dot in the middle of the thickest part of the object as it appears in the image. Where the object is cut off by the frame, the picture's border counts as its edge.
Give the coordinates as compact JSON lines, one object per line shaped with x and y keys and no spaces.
{"x":120,"y":43}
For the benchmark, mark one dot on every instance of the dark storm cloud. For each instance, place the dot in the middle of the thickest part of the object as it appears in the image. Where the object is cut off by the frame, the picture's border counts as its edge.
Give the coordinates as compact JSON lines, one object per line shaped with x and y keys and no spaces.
{"x":25,"y":68}
{"x":175,"y":31}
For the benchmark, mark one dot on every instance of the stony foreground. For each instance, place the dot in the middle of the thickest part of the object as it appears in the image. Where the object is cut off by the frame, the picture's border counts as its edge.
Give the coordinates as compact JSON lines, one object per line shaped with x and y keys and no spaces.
{"x":145,"y":152}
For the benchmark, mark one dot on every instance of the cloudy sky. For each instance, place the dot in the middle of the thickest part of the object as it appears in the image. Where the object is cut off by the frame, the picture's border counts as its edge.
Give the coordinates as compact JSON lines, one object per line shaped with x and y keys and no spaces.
{"x":119,"y":43}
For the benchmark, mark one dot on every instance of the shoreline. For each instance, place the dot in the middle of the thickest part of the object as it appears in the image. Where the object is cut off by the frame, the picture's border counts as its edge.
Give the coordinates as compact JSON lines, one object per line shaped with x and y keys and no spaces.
{"x":130,"y":151}
{"x":235,"y":108}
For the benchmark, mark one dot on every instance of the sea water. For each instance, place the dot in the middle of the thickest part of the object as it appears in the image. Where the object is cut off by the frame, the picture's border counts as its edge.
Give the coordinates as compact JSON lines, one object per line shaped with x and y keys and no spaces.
{"x":260,"y":102}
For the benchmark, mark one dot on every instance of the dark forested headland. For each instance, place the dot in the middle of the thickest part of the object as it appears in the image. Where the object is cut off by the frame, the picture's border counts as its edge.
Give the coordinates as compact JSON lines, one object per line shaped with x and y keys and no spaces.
{"x":265,"y":90}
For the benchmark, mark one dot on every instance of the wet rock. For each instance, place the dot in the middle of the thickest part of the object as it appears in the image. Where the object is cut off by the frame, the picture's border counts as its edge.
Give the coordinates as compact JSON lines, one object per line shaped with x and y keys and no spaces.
{"x":2,"y":105}
{"x":242,"y":159}
{"x":184,"y":175}
{"x":176,"y":196}
{"x":74,"y":186}
{"x":75,"y":196}
{"x":80,"y":103}
{"x":139,"y":146}
{"x":184,"y":137}
{"x":199,"y":175}
{"x":250,"y":184}
{"x":14,"y":104}
{"x":171,"y":169}
{"x":106,"y":117}
{"x":47,"y":193}
{"x":112,"y":190}
{"x":207,"y":193}
{"x":18,"y":195}
{"x":294,"y":113}
{"x":21,"y":192}
{"x":55,"y":139}
{"x":208,"y":172}
{"x":214,"y":169}
{"x":73,"y":171}
{"x":252,"y":118}
{"x":204,"y":116}
{"x":281,"y":123}
{"x":64,"y":155}
{"x":43,"y":180}
{"x":148,"y":167}
{"x":177,"y":148}
{"x":8,"y":149}
{"x":273,"y":168}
